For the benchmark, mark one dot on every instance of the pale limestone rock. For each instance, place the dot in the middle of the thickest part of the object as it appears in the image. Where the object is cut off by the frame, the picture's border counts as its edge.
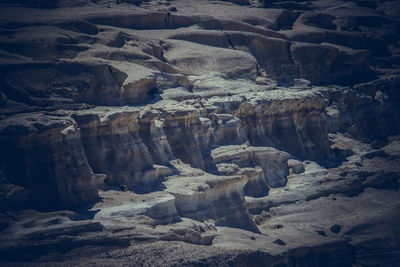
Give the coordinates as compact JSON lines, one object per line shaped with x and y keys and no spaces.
{"x":201,"y":195}
{"x":295,"y":166}
{"x":272,"y":162}
{"x":159,"y":207}
{"x":195,"y":59}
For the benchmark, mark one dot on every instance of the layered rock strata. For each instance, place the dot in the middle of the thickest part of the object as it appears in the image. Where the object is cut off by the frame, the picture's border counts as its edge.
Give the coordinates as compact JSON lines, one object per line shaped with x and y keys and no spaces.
{"x":192,"y":133}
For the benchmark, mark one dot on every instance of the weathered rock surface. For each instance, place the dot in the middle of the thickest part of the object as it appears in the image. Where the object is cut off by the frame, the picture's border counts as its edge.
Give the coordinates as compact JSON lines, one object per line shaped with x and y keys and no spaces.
{"x":199,"y":133}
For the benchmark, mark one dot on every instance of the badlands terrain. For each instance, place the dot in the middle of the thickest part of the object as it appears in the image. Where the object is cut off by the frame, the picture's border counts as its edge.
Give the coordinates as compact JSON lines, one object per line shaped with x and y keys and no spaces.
{"x":200,"y":133}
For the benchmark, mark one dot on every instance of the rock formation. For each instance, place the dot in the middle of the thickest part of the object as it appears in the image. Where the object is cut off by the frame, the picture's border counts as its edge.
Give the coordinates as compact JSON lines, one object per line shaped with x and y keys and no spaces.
{"x":199,"y":133}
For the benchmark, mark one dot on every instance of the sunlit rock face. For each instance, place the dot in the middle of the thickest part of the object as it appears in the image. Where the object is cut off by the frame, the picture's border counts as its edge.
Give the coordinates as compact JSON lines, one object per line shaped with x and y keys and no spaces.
{"x":199,"y":133}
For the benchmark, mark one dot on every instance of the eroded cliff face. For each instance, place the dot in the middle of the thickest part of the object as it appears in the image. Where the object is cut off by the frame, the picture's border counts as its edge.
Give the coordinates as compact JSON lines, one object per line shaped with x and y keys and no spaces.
{"x":53,"y":167}
{"x":133,"y":146}
{"x":249,"y":133}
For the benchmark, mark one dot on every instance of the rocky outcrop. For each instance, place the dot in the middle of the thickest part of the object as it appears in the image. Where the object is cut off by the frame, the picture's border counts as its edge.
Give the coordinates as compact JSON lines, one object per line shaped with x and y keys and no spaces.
{"x":204,"y":196}
{"x":124,"y":148}
{"x":145,"y":20}
{"x":296,"y":127}
{"x":81,"y":82}
{"x":45,"y":155}
{"x":272,"y":162}
{"x":378,"y":98}
{"x":132,"y":147}
{"x":368,"y":110}
{"x":174,"y":133}
{"x":326,"y":64}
